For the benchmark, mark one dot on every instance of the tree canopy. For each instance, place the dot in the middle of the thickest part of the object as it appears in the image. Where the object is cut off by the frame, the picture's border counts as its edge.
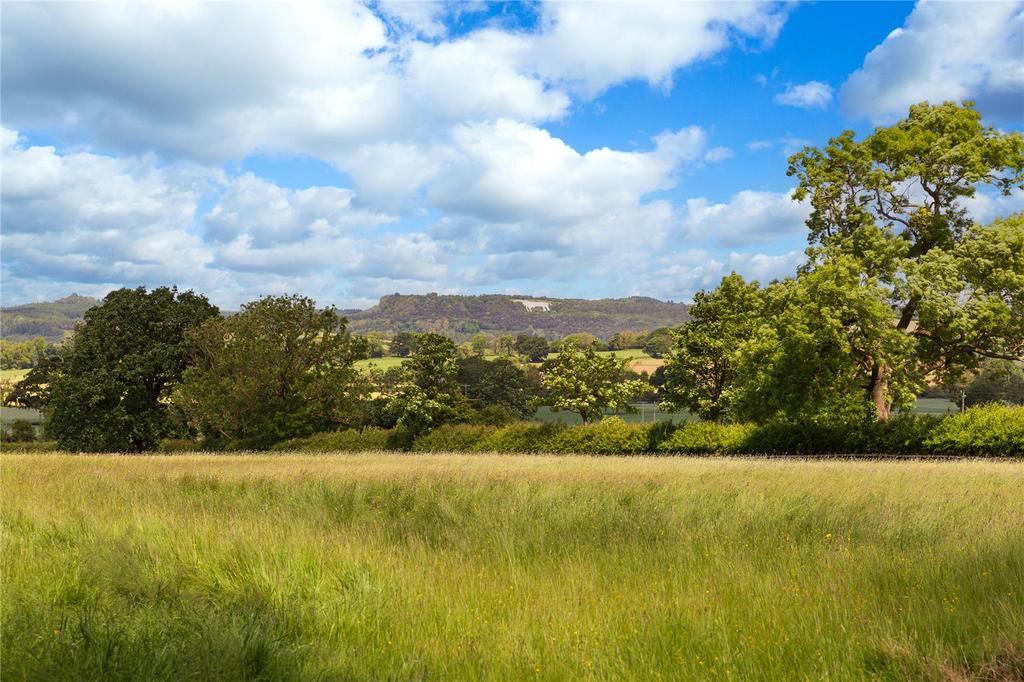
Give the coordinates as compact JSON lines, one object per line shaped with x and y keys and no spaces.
{"x":279,"y":368}
{"x":110,"y":389}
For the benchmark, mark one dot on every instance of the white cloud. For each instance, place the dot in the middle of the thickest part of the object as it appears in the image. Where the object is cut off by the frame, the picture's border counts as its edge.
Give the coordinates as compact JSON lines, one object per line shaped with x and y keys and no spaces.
{"x":945,"y":51}
{"x":748,"y":218}
{"x":809,"y":95}
{"x":592,"y":46}
{"x":94,"y":219}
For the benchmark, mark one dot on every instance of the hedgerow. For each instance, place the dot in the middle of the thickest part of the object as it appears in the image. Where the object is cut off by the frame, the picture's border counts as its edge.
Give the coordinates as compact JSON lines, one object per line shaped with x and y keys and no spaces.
{"x":367,"y":440}
{"x":992,"y":430}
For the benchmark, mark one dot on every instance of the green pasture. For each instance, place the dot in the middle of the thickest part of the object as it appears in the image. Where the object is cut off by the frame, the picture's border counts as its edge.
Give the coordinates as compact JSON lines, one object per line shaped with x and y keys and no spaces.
{"x":448,"y":567}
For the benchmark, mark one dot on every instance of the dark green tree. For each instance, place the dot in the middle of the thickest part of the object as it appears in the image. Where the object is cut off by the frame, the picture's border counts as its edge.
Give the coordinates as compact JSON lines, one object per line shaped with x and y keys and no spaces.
{"x":403,"y":345}
{"x":498,"y":382}
{"x":658,"y":343}
{"x":534,"y":348}
{"x":109,"y":392}
{"x":280,"y":368}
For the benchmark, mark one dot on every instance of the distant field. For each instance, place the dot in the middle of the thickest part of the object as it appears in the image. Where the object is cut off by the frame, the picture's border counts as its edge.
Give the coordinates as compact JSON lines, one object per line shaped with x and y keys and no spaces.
{"x":518,"y":567}
{"x":379,"y":363}
{"x":12,"y":375}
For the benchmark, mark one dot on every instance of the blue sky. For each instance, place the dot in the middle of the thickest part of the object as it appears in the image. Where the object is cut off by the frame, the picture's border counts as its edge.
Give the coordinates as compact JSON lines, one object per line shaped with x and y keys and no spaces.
{"x":346,"y":151}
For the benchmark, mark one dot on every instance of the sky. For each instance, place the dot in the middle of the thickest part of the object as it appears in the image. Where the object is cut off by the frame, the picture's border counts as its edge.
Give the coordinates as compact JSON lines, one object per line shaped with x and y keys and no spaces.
{"x":348,"y":151}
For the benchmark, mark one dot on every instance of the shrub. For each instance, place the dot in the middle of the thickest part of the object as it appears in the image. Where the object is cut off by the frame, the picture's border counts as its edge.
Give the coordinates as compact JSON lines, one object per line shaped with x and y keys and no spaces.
{"x":521,"y":437}
{"x":453,"y":438}
{"x":904,"y":434}
{"x":32,"y":446}
{"x":804,"y":438}
{"x":169,"y":445}
{"x":708,"y":438}
{"x":606,"y":437}
{"x":19,"y":431}
{"x":993,"y":429}
{"x":352,"y":440}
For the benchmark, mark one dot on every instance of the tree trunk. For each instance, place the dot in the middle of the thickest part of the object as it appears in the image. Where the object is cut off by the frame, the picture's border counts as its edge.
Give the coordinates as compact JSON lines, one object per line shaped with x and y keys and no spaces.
{"x":878,"y":392}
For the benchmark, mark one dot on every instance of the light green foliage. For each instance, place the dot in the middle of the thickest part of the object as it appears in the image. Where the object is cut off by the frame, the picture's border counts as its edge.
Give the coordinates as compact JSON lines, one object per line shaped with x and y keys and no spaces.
{"x":610,"y":436}
{"x":893,"y":203}
{"x":708,"y":438}
{"x":702,"y":365}
{"x":584,"y":382}
{"x":109,"y":390}
{"x":21,"y":354}
{"x":348,"y":440}
{"x":376,"y":567}
{"x":280,"y":368}
{"x":454,"y":438}
{"x":822,"y":334}
{"x":430,"y":394}
{"x":982,"y":430}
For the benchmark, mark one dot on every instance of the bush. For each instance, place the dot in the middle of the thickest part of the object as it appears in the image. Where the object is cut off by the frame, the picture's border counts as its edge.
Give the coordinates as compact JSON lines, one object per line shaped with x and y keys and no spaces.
{"x":904,"y":434}
{"x":708,"y":438}
{"x":453,"y":438}
{"x":521,"y":437}
{"x":350,"y":440}
{"x":18,"y":431}
{"x":170,"y":445}
{"x":993,"y":429}
{"x":606,"y":437}
{"x":32,"y":446}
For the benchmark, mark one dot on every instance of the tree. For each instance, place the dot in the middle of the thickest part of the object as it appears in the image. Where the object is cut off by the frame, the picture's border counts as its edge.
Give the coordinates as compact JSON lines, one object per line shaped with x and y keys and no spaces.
{"x":893,"y":202}
{"x":280,"y":368}
{"x":626,"y":339}
{"x":23,"y":354}
{"x":820,"y":335}
{"x":584,"y":382}
{"x":481,"y":343}
{"x":997,"y":381}
{"x":33,"y":391}
{"x":658,"y":343}
{"x":110,"y":388}
{"x":581,"y":340}
{"x":403,"y":345}
{"x":430,"y":394}
{"x":497,"y":382}
{"x":18,"y":431}
{"x":534,"y":348}
{"x":702,"y":366}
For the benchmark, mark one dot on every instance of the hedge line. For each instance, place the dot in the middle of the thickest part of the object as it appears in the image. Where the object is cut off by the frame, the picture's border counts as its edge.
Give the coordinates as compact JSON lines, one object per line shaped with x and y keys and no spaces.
{"x":989,"y":430}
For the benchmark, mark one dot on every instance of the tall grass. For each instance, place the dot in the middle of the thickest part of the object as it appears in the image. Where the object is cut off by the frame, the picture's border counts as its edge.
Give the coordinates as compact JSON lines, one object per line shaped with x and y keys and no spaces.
{"x":502,"y":567}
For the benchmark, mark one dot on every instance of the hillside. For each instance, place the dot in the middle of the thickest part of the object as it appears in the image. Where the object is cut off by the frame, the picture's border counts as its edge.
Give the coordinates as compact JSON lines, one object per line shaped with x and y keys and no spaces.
{"x":457,"y":316}
{"x":52,"y":320}
{"x":462,"y":316}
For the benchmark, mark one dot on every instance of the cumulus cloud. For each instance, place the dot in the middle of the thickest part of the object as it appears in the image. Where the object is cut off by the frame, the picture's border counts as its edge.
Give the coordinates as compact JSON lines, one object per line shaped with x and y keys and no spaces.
{"x":809,"y":95}
{"x":749,"y":217}
{"x":945,"y":51}
{"x":454,"y":183}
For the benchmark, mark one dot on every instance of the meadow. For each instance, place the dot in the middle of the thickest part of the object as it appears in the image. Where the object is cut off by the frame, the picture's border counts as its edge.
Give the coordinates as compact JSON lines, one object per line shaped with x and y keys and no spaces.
{"x":392,"y":566}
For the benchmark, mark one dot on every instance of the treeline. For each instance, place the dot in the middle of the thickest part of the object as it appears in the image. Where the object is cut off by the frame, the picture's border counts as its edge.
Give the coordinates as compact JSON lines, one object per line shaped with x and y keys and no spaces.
{"x":146,"y":366}
{"x":901,"y":291}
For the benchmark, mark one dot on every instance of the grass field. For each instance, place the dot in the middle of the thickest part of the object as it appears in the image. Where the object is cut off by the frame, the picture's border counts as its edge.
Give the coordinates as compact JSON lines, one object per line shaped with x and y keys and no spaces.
{"x":488,"y":567}
{"x":12,"y":375}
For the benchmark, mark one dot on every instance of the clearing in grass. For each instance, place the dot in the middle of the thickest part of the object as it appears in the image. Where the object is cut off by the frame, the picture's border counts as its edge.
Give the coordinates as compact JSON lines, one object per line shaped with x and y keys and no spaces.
{"x":509,"y":567}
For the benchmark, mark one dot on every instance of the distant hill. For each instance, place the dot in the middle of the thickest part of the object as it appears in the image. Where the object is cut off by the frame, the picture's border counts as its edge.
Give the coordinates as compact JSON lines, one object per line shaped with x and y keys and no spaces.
{"x":52,"y":320}
{"x":457,"y":316}
{"x":462,"y":316}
